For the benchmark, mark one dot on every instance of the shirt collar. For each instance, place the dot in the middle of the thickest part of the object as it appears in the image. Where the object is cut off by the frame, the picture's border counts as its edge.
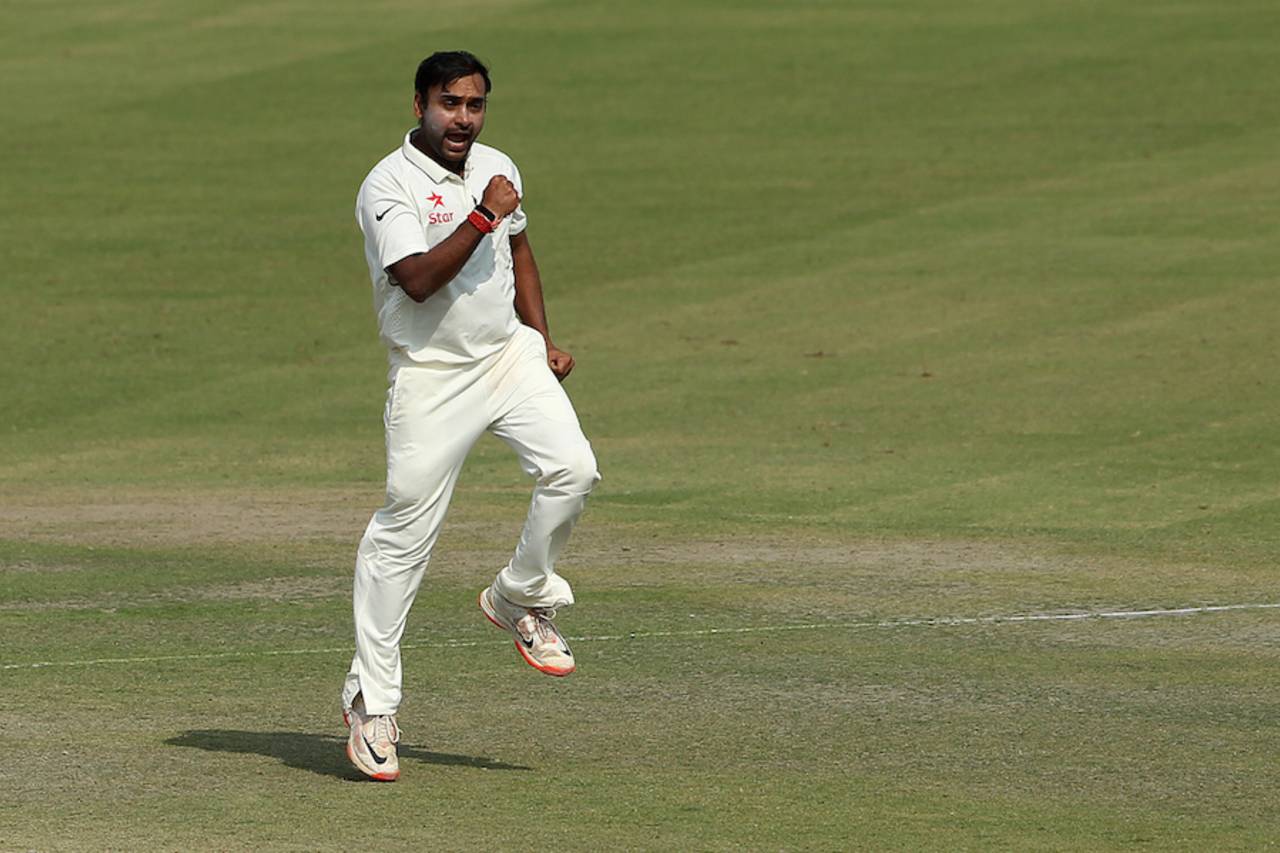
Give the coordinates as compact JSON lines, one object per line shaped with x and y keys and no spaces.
{"x":434,"y":170}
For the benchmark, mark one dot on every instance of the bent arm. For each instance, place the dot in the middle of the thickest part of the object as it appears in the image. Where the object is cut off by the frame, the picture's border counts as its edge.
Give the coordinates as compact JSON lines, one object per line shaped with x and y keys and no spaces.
{"x":422,"y":274}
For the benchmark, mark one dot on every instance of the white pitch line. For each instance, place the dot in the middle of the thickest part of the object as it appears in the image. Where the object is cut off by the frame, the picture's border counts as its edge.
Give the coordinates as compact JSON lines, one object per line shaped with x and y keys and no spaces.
{"x":944,"y":621}
{"x":931,"y":621}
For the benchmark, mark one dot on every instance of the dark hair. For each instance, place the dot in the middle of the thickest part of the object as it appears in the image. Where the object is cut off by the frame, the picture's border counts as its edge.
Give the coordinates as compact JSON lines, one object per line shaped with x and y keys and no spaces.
{"x":445,"y":66}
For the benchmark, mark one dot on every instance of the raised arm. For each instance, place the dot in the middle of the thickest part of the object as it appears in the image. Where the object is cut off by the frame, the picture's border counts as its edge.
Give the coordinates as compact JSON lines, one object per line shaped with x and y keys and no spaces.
{"x":422,"y":274}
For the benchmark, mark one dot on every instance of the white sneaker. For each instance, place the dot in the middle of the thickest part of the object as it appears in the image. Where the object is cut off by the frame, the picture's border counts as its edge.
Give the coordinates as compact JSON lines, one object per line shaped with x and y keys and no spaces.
{"x":536,"y":637}
{"x":371,"y":746}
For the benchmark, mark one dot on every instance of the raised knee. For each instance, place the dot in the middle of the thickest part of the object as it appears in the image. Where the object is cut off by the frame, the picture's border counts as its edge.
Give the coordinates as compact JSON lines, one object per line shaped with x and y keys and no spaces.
{"x":579,"y":474}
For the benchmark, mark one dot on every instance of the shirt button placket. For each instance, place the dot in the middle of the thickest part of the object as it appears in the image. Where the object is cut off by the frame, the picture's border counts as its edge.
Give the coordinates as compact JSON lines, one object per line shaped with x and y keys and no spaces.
{"x":470,"y":198}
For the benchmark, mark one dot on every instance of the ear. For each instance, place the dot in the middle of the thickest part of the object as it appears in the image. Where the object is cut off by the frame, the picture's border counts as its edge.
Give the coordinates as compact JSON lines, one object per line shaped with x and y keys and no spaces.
{"x":418,"y":107}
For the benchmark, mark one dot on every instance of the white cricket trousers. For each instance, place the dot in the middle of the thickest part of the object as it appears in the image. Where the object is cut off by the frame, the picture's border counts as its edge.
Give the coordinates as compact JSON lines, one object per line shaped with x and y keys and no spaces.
{"x":433,"y":416}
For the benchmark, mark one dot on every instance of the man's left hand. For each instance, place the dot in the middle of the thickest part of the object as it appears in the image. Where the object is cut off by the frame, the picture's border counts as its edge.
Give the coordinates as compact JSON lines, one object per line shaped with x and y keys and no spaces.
{"x":559,"y":361}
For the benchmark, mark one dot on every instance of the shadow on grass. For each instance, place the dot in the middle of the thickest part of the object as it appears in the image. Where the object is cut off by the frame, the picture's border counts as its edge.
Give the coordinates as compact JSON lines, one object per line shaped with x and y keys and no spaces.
{"x":322,"y":754}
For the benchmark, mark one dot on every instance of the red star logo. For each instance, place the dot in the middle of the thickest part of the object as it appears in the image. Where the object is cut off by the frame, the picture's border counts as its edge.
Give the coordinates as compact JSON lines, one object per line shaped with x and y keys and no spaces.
{"x":437,"y":198}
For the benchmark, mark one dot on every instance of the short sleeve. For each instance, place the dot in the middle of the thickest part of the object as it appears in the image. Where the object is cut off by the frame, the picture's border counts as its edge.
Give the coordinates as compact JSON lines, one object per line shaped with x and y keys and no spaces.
{"x":389,"y":220}
{"x":518,"y":220}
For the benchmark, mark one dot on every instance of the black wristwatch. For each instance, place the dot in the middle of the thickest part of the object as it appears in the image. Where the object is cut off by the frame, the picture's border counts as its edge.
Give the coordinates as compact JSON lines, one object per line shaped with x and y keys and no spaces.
{"x":487,"y":213}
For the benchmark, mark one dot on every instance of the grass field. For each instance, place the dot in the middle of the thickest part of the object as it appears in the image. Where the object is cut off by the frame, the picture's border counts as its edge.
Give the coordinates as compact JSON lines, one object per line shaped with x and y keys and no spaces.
{"x":893,"y":320}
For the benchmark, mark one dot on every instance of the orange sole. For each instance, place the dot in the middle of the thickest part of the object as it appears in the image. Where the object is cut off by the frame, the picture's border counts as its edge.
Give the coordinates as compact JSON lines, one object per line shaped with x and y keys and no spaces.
{"x":377,"y":777}
{"x":558,"y":673}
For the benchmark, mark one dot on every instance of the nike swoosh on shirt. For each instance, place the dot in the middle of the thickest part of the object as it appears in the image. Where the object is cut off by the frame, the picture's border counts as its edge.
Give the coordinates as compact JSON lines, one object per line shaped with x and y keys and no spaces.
{"x":379,"y":759}
{"x":384,"y":213}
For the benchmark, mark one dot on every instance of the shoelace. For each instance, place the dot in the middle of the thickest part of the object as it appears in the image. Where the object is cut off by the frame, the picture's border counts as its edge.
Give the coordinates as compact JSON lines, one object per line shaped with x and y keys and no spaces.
{"x":542,"y":628}
{"x":384,"y":726}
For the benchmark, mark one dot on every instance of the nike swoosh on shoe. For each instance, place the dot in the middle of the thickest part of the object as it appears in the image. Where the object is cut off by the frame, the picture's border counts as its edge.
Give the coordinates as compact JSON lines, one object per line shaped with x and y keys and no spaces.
{"x":378,"y":759}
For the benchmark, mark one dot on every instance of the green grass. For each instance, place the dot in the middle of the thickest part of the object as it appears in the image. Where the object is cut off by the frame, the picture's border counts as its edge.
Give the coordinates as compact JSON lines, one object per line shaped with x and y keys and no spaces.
{"x":882,"y":310}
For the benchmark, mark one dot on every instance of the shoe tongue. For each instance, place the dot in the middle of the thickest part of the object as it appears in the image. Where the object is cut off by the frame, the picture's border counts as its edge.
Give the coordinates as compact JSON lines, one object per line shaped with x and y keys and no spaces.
{"x":384,"y":725}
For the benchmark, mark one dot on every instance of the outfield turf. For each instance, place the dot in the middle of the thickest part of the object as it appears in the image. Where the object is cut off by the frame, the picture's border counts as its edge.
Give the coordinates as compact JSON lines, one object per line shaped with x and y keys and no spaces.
{"x":892,"y":318}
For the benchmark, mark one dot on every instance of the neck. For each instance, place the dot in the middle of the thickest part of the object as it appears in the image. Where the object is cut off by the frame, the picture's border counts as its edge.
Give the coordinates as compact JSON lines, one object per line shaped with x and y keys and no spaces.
{"x":415,"y":139}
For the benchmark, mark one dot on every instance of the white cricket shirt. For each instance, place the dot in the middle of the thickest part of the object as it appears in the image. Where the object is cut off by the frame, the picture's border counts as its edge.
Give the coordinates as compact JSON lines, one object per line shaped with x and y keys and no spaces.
{"x":408,"y":204}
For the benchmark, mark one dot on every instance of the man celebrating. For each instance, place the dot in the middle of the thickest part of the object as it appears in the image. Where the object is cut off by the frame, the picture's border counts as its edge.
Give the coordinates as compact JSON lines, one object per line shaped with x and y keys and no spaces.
{"x":459,"y":305}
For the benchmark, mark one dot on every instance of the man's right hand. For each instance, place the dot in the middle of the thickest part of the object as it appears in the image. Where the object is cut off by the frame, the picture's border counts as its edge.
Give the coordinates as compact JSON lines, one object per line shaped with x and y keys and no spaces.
{"x":500,"y":196}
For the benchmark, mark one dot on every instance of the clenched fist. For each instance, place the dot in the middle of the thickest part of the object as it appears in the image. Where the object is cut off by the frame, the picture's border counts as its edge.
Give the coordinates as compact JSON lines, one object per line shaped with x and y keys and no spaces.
{"x":559,"y":361}
{"x":500,"y":196}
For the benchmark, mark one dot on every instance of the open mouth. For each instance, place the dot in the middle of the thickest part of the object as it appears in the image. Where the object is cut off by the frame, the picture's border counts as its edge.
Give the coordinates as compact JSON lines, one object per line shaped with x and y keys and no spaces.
{"x":457,"y":140}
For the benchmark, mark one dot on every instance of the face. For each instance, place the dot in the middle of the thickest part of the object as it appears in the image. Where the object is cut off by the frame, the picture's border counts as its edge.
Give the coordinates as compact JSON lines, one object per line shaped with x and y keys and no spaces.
{"x":451,"y":118}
